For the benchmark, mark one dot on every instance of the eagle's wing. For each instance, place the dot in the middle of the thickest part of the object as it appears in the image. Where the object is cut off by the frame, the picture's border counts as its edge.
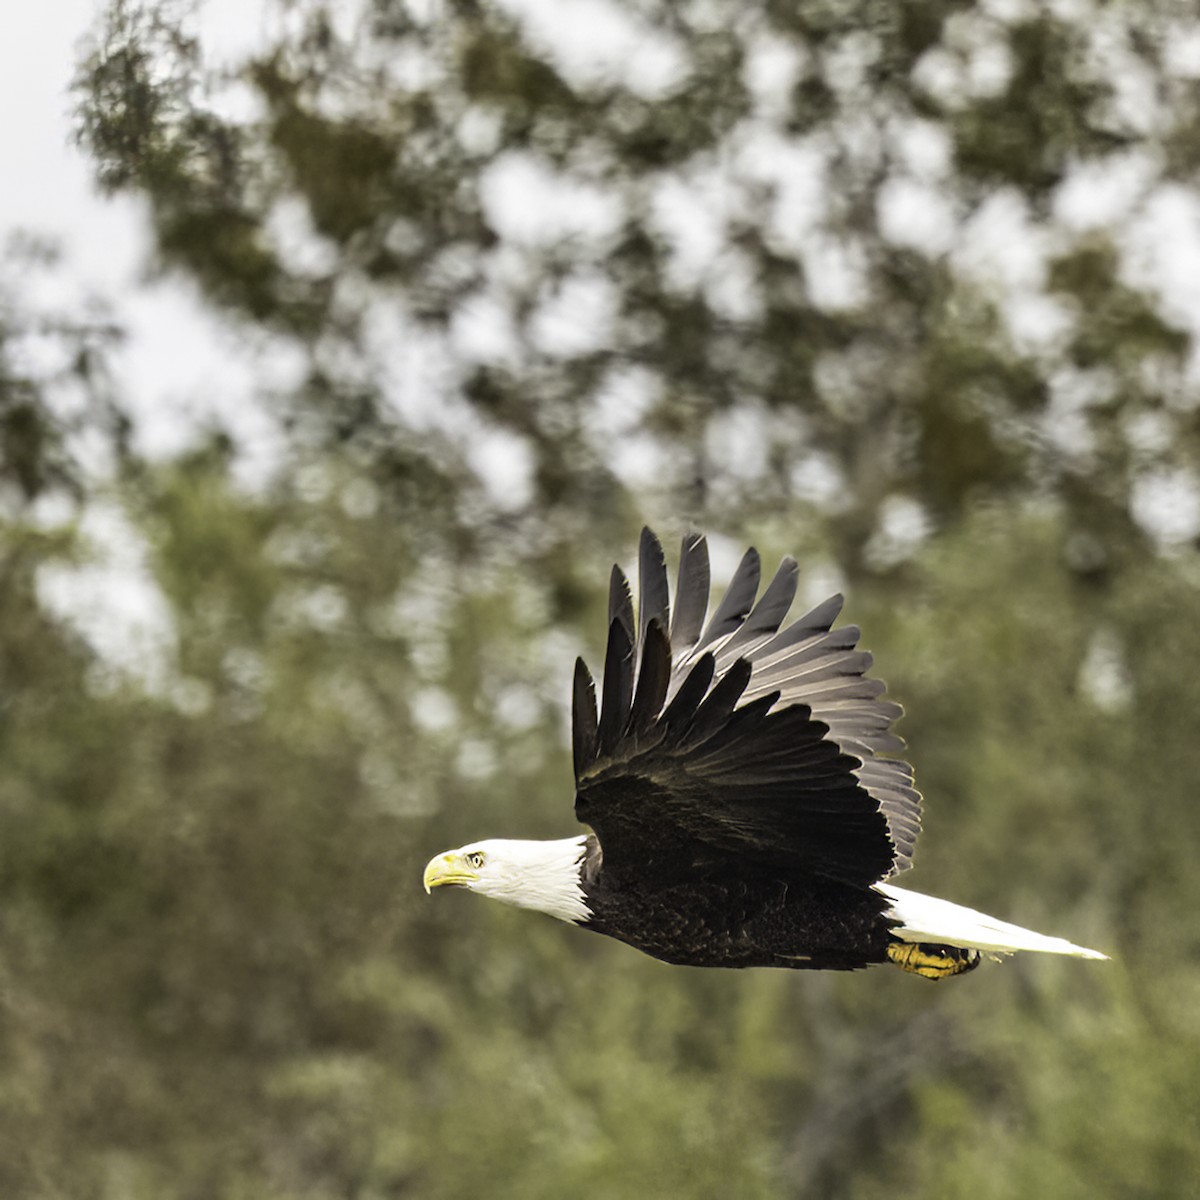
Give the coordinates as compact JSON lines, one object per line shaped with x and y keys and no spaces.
{"x":740,"y":738}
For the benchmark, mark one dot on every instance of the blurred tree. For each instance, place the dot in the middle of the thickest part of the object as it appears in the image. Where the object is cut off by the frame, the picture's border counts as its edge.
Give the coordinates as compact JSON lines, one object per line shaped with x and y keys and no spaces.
{"x":58,"y":413}
{"x":733,"y":255}
{"x":840,"y":274}
{"x":221,"y":977}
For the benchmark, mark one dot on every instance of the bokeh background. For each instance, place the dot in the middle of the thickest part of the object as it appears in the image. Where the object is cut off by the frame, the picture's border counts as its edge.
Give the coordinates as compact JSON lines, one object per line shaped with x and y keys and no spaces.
{"x":301,"y":527}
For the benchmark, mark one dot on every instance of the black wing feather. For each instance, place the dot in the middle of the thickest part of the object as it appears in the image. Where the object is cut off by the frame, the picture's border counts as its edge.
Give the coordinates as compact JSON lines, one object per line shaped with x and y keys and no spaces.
{"x":717,"y":708}
{"x":683,"y":706}
{"x":737,"y":601}
{"x":654,"y":675}
{"x":691,"y":594}
{"x":585,"y":733}
{"x":748,"y":740}
{"x":620,"y":602}
{"x":653,"y":598}
{"x":772,"y":608}
{"x":618,"y":688}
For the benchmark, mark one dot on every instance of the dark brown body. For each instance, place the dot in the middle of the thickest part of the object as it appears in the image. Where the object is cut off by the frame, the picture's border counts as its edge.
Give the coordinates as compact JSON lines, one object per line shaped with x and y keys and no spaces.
{"x":719,"y":919}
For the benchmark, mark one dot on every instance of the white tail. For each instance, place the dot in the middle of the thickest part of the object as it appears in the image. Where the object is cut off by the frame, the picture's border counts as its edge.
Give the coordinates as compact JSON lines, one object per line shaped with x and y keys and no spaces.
{"x":926,"y":919}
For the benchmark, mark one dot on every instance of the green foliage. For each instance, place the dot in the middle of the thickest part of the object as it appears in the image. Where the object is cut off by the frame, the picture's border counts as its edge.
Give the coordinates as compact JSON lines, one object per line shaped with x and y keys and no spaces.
{"x":54,"y":388}
{"x":218,"y":974}
{"x":730,"y":201}
{"x":222,"y":977}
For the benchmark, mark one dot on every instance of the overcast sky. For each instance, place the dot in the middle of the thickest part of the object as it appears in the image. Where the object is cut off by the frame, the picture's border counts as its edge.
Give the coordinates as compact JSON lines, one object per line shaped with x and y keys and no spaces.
{"x":178,"y":360}
{"x":178,"y":364}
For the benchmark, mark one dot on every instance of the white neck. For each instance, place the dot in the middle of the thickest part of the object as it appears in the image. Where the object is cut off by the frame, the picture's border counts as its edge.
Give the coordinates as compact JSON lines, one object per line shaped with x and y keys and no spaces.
{"x":544,"y":876}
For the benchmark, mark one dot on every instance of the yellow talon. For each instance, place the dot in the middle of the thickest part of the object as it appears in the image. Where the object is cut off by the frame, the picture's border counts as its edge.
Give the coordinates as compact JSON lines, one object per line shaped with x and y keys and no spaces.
{"x":930,"y":961}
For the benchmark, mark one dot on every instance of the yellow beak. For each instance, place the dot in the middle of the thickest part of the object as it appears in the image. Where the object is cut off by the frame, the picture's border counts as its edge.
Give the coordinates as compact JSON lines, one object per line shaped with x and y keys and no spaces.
{"x":448,"y":870}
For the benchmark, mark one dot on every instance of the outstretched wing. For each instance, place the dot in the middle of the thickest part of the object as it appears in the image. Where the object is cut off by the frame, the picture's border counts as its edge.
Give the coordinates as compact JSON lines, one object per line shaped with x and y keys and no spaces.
{"x":739,"y":738}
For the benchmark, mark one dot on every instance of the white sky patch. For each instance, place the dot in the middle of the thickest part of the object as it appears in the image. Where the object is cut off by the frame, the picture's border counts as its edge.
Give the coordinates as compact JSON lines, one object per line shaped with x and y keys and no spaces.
{"x":732,"y":290}
{"x":529,"y":202}
{"x":625,"y":396}
{"x":724,"y":554}
{"x":796,"y":172}
{"x":613,"y":425}
{"x":476,"y":760}
{"x":482,"y":330}
{"x":1101,"y":193}
{"x":504,"y":462}
{"x":576,"y":317}
{"x":238,"y":102}
{"x":113,"y":601}
{"x":1074,"y":394}
{"x":771,"y":70}
{"x":1181,"y":50}
{"x":845,"y":62}
{"x":480,"y":128}
{"x":325,"y":607}
{"x":689,"y":213}
{"x":903,"y":527}
{"x":640,"y":461}
{"x":819,"y":580}
{"x":1001,"y":246}
{"x":989,"y":67}
{"x":433,"y":709}
{"x":1036,"y":322}
{"x":925,"y":147}
{"x":1150,"y":434}
{"x":414,"y":369}
{"x":1001,"y":250}
{"x":940,"y":73}
{"x":1135,"y":103}
{"x":596,"y":43}
{"x":981,"y":47}
{"x":1103,"y":675}
{"x":1166,"y":504}
{"x":915,"y":215}
{"x":1164,"y":252}
{"x":737,"y":441}
{"x":817,"y":478}
{"x":46,"y":181}
{"x":232,"y":30}
{"x":518,"y":707}
{"x":405,"y":67}
{"x":296,"y":241}
{"x":836,"y":273}
{"x":1008,"y":11}
{"x":185,"y":371}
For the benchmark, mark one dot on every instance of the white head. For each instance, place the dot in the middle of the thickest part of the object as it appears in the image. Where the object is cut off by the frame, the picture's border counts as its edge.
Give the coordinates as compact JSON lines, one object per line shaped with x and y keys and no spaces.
{"x":540,"y":875}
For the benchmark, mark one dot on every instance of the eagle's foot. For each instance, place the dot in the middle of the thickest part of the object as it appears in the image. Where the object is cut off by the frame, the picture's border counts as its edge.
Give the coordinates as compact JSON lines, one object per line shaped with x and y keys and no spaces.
{"x":932,"y":961}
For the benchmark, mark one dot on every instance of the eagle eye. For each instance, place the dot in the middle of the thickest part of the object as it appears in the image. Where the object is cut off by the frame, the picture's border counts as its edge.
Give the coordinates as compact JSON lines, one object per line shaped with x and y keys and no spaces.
{"x":475,"y":859}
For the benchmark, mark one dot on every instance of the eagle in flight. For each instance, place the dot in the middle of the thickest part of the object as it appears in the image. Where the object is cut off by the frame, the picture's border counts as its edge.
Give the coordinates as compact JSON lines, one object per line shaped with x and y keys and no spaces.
{"x":739,"y":783}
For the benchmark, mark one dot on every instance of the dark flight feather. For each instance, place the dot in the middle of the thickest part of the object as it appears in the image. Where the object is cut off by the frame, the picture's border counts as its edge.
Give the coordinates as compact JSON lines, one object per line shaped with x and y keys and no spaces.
{"x":771,"y":609}
{"x":585,"y":732}
{"x":617,"y":692}
{"x":653,"y":678}
{"x":743,"y":738}
{"x":620,"y":602}
{"x":737,"y":601}
{"x":691,"y":595}
{"x":653,"y":598}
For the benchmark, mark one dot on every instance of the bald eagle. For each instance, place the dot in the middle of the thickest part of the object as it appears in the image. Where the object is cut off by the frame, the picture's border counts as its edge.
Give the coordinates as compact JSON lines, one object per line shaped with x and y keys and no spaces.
{"x":739,"y":783}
